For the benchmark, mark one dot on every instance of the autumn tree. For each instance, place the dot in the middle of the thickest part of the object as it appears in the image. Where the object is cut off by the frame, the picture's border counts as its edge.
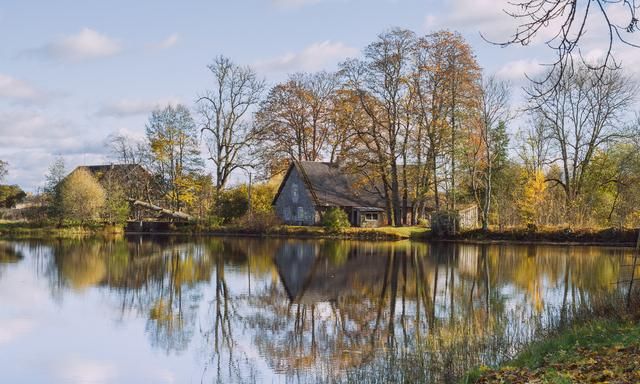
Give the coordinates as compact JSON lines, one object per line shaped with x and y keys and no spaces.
{"x":175,"y":153}
{"x":294,"y":121}
{"x":116,"y":203}
{"x":82,"y":196}
{"x":224,"y":111}
{"x":445,"y":88}
{"x":582,"y":114}
{"x":464,"y":82}
{"x":381,"y":80}
{"x":10,"y":195}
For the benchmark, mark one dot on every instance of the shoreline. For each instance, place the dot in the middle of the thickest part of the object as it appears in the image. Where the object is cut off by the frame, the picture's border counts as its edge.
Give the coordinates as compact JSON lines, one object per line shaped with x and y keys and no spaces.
{"x":611,"y":237}
{"x":614,"y":237}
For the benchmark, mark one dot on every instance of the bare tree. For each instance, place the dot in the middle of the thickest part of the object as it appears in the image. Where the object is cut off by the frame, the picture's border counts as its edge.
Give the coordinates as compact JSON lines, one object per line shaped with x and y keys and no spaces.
{"x":582,"y":113}
{"x":568,"y":22}
{"x":4,"y":169}
{"x":127,"y":150}
{"x":492,"y":140}
{"x":224,"y":111}
{"x":533,"y":148}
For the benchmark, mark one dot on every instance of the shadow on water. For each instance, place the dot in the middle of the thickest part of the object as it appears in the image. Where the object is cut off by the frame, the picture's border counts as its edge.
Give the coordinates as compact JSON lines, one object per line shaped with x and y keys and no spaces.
{"x":255,"y":310}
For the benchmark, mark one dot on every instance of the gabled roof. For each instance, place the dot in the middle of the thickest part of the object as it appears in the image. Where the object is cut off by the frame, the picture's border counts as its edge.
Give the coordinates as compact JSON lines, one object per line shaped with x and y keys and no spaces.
{"x":331,"y":185}
{"x":124,"y":169}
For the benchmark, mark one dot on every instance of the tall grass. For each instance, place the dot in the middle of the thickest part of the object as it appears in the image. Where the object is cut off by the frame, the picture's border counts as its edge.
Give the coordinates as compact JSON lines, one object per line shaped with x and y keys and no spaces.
{"x":448,"y":356}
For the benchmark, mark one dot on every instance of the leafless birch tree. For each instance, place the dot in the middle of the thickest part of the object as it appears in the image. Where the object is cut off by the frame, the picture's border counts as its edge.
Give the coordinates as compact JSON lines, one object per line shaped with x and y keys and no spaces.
{"x":224,"y":111}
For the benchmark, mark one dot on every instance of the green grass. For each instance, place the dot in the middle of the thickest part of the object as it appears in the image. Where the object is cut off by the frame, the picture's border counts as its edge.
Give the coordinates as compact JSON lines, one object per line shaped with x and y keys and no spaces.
{"x":387,"y":233}
{"x":403,"y":232}
{"x":557,"y":357}
{"x":22,"y":229}
{"x":562,"y":348}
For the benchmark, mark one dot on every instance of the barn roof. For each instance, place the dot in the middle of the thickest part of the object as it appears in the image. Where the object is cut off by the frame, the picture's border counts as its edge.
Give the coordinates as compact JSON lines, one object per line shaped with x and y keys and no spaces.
{"x":99,"y":170}
{"x":331,"y":185}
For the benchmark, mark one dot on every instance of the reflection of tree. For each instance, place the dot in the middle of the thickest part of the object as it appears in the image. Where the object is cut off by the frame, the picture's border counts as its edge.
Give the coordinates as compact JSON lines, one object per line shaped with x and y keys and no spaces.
{"x":171,"y":321}
{"x":9,"y":255}
{"x":309,"y":306}
{"x":157,"y":279}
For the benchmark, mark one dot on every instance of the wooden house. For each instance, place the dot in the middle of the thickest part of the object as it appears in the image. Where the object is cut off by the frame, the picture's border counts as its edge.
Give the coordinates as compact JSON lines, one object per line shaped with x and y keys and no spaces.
{"x":311,"y":188}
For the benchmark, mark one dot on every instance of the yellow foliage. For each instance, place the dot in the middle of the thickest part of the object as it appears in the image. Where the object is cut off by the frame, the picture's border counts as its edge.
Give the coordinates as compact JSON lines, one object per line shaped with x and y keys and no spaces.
{"x":533,"y":196}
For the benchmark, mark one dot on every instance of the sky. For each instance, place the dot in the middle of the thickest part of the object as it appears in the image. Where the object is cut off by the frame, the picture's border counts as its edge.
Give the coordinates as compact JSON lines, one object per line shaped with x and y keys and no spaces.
{"x":74,"y":72}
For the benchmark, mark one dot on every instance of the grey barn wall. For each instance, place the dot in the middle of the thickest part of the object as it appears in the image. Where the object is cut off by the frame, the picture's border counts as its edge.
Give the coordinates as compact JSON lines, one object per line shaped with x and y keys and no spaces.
{"x":285,"y":202}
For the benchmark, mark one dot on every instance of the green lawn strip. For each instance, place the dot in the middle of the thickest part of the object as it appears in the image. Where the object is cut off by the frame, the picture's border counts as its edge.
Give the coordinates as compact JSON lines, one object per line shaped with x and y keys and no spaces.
{"x":552,"y":358}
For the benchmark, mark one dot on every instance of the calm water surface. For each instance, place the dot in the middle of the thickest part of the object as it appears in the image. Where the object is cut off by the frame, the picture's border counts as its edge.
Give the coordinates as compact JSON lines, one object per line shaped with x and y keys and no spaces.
{"x":169,"y":310}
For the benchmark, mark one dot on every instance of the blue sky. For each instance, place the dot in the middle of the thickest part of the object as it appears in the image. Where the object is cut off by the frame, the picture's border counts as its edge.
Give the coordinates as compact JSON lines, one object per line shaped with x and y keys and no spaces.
{"x":74,"y":72}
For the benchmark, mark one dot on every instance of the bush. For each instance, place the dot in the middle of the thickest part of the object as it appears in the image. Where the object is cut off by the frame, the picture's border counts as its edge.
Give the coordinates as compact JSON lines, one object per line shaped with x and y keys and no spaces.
{"x":335,"y":220}
{"x":258,"y":222}
{"x":82,"y":197}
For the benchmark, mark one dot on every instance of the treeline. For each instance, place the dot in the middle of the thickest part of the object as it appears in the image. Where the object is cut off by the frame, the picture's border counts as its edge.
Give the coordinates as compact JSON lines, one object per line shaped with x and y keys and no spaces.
{"x":418,"y":118}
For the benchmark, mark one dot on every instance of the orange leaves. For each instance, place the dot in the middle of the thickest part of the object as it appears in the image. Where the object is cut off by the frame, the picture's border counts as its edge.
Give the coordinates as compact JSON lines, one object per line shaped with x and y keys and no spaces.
{"x":609,"y":365}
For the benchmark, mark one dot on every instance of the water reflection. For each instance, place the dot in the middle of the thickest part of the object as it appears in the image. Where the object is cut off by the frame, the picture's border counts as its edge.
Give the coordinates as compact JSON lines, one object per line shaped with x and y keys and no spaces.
{"x":270,"y":310}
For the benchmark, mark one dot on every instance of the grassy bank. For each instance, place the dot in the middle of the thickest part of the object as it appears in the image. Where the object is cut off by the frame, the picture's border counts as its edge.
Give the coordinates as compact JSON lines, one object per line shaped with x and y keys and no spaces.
{"x":610,"y":236}
{"x":21,"y":230}
{"x":601,"y":345}
{"x":593,"y":352}
{"x":382,"y":233}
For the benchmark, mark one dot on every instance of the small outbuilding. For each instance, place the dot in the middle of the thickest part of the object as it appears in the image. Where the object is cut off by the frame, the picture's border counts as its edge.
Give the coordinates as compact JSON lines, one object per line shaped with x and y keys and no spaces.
{"x":311,"y":188}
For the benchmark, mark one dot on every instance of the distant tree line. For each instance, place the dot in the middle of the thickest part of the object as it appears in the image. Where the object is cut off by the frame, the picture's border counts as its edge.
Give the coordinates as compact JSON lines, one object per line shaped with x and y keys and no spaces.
{"x":421,"y":122}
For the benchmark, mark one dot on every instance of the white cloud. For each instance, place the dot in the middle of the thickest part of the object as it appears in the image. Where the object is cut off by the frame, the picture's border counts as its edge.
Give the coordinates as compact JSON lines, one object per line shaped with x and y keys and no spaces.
{"x":128,"y":107}
{"x":86,"y":44}
{"x":487,"y":17}
{"x":87,"y":371}
{"x":293,"y":3}
{"x":315,"y":57}
{"x":167,"y":43}
{"x":516,"y":70}
{"x":16,"y":90}
{"x":12,"y":329}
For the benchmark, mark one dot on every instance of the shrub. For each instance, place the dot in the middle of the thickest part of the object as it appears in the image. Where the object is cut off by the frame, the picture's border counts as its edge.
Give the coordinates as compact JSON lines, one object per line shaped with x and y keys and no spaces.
{"x":335,"y":220}
{"x":83,"y":198}
{"x":258,"y":222}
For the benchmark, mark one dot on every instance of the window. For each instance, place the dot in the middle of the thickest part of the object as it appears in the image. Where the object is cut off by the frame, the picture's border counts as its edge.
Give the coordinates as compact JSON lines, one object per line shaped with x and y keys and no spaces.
{"x":300,"y":214}
{"x":371,"y":217}
{"x":287,"y":213}
{"x":294,"y":192}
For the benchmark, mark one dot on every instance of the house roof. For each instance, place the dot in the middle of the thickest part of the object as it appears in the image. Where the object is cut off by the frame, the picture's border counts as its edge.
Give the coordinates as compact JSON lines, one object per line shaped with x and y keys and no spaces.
{"x":331,"y":185}
{"x":99,"y":170}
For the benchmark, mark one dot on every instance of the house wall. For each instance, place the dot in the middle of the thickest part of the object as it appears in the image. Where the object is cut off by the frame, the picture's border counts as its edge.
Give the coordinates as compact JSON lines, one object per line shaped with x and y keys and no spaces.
{"x":288,"y":207}
{"x":361,"y":222}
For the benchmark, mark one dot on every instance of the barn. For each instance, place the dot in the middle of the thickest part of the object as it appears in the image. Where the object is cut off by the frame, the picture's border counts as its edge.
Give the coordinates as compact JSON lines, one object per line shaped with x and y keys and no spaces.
{"x":310,"y":188}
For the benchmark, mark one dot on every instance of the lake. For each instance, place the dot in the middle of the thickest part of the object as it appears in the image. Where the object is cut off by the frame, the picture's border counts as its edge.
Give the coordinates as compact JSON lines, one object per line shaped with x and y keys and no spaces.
{"x":192,"y":310}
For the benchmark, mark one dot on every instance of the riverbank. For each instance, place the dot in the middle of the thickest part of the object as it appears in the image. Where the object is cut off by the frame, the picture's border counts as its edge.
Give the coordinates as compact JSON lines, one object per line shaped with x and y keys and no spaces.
{"x":601,"y":348}
{"x":304,"y":232}
{"x":545,"y":235}
{"x":610,"y":236}
{"x":21,"y":229}
{"x":42,"y":230}
{"x":599,"y":351}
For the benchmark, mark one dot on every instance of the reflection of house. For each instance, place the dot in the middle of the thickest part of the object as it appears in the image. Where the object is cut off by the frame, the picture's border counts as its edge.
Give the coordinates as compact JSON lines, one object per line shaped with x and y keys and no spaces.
{"x":311,"y":188}
{"x":311,"y":272}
